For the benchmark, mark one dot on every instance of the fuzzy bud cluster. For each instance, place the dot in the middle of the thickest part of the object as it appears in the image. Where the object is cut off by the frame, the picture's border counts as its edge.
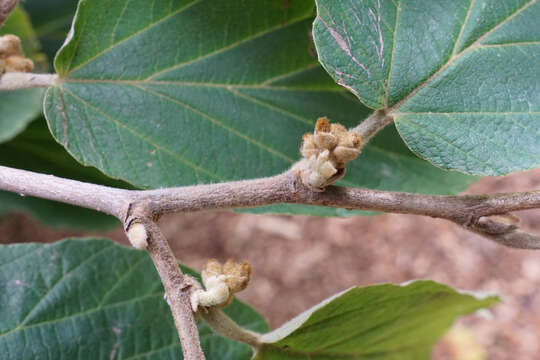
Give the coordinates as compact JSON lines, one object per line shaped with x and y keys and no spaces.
{"x":11,"y":56}
{"x":221,"y":283}
{"x":327,"y":151}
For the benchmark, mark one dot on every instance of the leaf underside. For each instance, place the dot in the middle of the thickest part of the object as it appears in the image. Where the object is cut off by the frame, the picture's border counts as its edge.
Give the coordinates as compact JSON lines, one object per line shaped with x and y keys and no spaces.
{"x":462,"y":78}
{"x":376,"y":322}
{"x":166,"y":93}
{"x":93,"y":299}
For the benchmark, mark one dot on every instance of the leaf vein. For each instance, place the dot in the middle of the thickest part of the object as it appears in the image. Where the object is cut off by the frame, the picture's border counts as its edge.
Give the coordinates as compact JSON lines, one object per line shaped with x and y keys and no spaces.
{"x":228,"y":47}
{"x":219,"y":123}
{"x":62,"y":278}
{"x":448,"y":142}
{"x":147,"y":140}
{"x":465,"y":21}
{"x":272,"y":107}
{"x":120,"y":279}
{"x":149,"y":26}
{"x":398,"y":8}
{"x":452,"y":59}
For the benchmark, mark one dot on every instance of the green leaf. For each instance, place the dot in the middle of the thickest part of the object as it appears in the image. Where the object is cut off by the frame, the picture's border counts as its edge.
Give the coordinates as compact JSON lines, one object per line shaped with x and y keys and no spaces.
{"x":376,"y":322}
{"x":36,"y":150}
{"x":93,"y":299}
{"x":18,"y":108}
{"x":153,"y":93}
{"x":462,"y":78}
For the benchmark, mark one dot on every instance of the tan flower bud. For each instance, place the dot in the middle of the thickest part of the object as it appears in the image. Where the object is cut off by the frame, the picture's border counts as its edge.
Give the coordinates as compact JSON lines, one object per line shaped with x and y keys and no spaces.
{"x":221,"y":283}
{"x":18,"y":64}
{"x":308,"y":148}
{"x":322,"y":125}
{"x":326,"y":151}
{"x":326,"y":169}
{"x":338,"y":129}
{"x":213,"y":268}
{"x":325,"y":140}
{"x":237,"y":275}
{"x":319,"y":169}
{"x":344,"y":154}
{"x":10,"y":45}
{"x":351,"y":140}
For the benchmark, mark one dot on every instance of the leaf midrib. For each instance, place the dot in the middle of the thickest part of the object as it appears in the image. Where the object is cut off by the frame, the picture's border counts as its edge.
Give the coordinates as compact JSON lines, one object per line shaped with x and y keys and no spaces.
{"x":398,"y":8}
{"x":206,"y":84}
{"x":57,"y":283}
{"x":145,"y":139}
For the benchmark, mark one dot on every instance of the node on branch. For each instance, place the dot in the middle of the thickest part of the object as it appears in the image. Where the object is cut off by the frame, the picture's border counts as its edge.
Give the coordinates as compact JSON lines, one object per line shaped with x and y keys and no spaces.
{"x":326,"y":152}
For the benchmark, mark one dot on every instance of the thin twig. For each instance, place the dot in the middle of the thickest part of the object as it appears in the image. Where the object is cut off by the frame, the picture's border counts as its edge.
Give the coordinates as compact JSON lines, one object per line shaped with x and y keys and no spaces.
{"x":21,"y":80}
{"x":176,"y":290}
{"x":470,"y":211}
{"x":223,"y":325}
{"x":372,"y":125}
{"x":97,"y":197}
{"x":6,"y":7}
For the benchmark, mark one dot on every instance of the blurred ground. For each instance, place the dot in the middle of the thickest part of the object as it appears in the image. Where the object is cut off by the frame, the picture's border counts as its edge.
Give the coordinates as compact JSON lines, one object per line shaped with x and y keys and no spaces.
{"x":299,"y":261}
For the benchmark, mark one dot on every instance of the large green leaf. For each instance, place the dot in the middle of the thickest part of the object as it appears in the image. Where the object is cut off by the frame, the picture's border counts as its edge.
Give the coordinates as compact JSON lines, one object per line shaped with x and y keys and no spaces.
{"x":18,"y":108}
{"x":462,"y":78}
{"x":36,"y":150}
{"x":376,"y":322}
{"x":169,"y":93}
{"x":93,"y":299}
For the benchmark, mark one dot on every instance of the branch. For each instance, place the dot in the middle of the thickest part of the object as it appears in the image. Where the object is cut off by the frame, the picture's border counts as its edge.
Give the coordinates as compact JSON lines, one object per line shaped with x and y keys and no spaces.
{"x":6,"y":7}
{"x":473,"y":212}
{"x":21,"y":80}
{"x":176,"y":289}
{"x":101,"y":198}
{"x":225,"y":326}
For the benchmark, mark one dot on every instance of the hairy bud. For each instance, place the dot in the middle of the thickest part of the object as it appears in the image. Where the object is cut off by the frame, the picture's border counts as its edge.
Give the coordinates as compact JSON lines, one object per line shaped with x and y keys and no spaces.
{"x":10,"y":45}
{"x":326,"y":151}
{"x":18,"y":64}
{"x":11,"y":56}
{"x":221,"y":283}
